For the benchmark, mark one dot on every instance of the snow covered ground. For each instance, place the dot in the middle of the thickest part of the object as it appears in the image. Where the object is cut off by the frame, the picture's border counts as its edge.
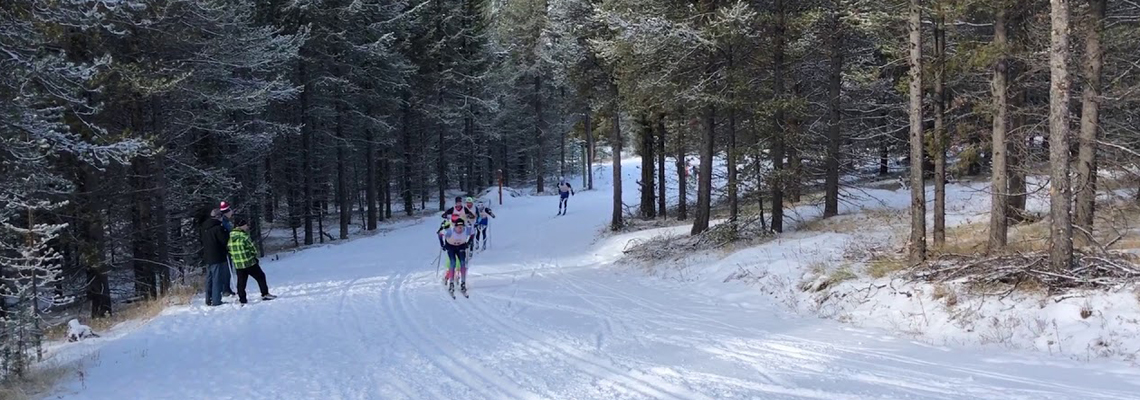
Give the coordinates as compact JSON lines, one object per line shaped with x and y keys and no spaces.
{"x":552,"y":315}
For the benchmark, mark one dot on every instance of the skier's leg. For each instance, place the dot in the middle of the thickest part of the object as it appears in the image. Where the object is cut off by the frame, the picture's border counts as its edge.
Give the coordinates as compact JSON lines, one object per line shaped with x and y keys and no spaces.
{"x":463,"y":266}
{"x":452,"y":259}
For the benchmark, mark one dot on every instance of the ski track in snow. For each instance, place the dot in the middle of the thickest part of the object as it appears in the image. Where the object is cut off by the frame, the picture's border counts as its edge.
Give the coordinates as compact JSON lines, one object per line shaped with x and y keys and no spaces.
{"x":550,"y":317}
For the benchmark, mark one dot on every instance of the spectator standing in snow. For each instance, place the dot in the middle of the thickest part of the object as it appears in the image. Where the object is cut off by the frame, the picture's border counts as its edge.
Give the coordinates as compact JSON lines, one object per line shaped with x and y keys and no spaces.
{"x":214,"y":242}
{"x":244,"y":256}
{"x":228,"y":225}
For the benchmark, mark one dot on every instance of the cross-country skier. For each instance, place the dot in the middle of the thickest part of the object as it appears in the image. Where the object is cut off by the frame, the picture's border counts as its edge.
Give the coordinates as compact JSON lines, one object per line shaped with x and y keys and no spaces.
{"x":482,"y":212}
{"x":457,"y":241}
{"x":564,"y":192}
{"x":459,"y":212}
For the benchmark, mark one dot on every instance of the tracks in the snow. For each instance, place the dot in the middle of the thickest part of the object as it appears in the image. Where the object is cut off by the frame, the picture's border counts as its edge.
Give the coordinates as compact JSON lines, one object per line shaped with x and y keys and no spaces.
{"x":437,"y":348}
{"x":483,"y":380}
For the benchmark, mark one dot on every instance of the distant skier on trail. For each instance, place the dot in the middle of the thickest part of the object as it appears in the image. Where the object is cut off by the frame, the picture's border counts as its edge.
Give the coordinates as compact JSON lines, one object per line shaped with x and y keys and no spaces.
{"x":564,"y":192}
{"x":482,"y":212}
{"x":457,"y":242}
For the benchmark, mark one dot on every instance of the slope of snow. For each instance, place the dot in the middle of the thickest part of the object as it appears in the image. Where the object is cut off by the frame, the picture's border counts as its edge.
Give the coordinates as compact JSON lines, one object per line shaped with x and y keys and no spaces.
{"x":551,"y":316}
{"x":1080,"y":325}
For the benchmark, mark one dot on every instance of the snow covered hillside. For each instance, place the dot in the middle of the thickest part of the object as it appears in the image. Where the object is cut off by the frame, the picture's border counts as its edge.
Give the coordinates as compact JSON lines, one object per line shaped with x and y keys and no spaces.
{"x":551,"y":316}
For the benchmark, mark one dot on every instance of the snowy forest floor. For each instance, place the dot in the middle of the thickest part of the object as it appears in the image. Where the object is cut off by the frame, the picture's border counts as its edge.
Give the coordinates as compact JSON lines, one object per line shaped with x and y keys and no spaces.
{"x":556,"y":312}
{"x":851,"y":268}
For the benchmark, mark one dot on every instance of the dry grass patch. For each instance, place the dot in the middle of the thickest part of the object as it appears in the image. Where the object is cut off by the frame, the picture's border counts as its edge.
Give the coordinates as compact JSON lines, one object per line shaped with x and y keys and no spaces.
{"x":807,"y":199}
{"x":34,"y":383}
{"x":141,"y":310}
{"x":1116,"y":225}
{"x":881,"y":266}
{"x":946,"y":294}
{"x":825,"y":279}
{"x":855,"y":222}
{"x":1086,"y":310}
{"x":974,"y":238}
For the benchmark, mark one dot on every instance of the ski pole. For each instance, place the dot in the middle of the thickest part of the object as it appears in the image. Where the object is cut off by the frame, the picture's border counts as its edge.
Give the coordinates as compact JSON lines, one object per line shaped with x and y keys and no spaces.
{"x":438,"y":256}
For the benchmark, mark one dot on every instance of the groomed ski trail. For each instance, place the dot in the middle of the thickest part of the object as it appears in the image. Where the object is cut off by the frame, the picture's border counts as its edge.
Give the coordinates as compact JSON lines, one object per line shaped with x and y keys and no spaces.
{"x":552,"y":317}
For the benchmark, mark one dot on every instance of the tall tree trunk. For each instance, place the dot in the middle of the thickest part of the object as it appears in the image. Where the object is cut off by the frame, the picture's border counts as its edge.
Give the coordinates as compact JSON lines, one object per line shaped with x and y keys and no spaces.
{"x":272,"y":195}
{"x":1060,"y":192}
{"x":682,"y":171}
{"x":345,"y":200}
{"x":441,"y":166}
{"x":408,"y":158}
{"x":562,"y":151}
{"x":616,"y":222}
{"x":792,"y":188}
{"x":539,"y":129}
{"x":917,"y":188}
{"x":646,"y":184}
{"x":92,"y":246}
{"x":1017,"y":151}
{"x":422,"y":171}
{"x":294,"y":194}
{"x":255,"y":207}
{"x":370,"y":179}
{"x":884,"y":157}
{"x":999,"y":222}
{"x":144,"y":253}
{"x":307,"y":139}
{"x":733,"y":176}
{"x":386,"y":184}
{"x":160,"y":215}
{"x":589,"y":150}
{"x":661,"y":203}
{"x":1090,"y":120}
{"x":779,"y":84}
{"x":704,"y":180}
{"x":940,"y":139}
{"x":835,"y":84}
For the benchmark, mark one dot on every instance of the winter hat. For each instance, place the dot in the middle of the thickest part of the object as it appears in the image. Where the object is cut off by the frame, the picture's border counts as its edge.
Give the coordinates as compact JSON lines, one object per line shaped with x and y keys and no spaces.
{"x":241,"y":221}
{"x":224,"y":207}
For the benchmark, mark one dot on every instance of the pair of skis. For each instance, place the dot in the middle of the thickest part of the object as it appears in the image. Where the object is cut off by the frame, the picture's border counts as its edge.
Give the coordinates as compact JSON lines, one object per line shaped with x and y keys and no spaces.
{"x":451,"y":291}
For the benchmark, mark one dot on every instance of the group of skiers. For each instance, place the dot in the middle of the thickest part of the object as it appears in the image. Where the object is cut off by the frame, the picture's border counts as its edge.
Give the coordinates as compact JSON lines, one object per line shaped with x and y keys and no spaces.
{"x":464,"y":229}
{"x":227,"y":247}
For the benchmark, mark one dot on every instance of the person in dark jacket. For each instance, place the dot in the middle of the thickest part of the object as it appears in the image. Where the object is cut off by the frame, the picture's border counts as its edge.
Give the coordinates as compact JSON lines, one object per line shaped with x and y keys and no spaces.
{"x":215,"y":241}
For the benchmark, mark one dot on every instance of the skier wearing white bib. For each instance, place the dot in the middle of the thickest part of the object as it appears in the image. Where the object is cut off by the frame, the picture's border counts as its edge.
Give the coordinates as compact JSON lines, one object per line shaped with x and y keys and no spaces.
{"x":456,"y":242}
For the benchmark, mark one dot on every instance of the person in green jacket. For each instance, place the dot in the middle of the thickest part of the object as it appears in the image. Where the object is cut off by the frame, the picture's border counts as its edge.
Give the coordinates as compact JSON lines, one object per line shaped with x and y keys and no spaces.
{"x":244,"y":256}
